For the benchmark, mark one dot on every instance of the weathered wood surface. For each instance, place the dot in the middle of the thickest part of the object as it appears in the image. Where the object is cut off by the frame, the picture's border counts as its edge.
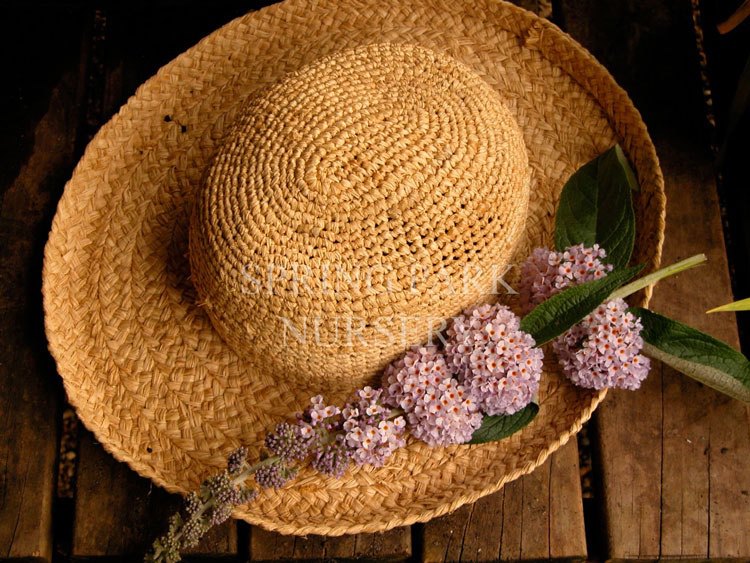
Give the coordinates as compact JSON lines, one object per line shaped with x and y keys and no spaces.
{"x":116,"y":511}
{"x":39,"y":102}
{"x":675,"y":464}
{"x":120,"y":513}
{"x":539,"y":516}
{"x":675,"y":456}
{"x":394,"y":545}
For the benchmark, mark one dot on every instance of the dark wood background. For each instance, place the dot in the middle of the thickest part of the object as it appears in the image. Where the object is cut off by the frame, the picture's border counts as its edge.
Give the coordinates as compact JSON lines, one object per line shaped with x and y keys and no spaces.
{"x":666,"y":470}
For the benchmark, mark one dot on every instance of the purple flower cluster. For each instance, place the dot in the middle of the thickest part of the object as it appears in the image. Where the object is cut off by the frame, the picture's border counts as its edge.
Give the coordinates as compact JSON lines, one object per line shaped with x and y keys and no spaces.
{"x":547,"y":272}
{"x":371,"y":432}
{"x":290,"y":442}
{"x":332,"y":458}
{"x":494,"y":359}
{"x":323,"y":423}
{"x":226,"y":494}
{"x":317,"y":434}
{"x":604,"y":349}
{"x":274,"y":475}
{"x":236,"y":459}
{"x":211,"y":505}
{"x":440,"y":410}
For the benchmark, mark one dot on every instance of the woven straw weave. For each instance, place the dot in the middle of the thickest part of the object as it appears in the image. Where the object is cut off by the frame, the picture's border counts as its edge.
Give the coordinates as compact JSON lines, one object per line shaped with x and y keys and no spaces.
{"x":141,"y":361}
{"x":380,"y":174}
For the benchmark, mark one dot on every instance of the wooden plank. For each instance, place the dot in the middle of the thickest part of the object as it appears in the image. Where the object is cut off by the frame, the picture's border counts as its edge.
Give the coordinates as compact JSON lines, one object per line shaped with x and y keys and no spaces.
{"x":685,"y":492}
{"x":394,"y":545}
{"x":674,"y":457}
{"x":539,"y":516}
{"x":119,"y":513}
{"x":40,"y":102}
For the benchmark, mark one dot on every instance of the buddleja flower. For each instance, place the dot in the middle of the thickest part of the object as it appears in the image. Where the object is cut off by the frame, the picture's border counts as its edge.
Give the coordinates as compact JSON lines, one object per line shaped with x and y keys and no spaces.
{"x":604,"y":349}
{"x":494,"y":358}
{"x":323,"y":424}
{"x":274,"y":475}
{"x":369,"y":432}
{"x":290,"y":442}
{"x":440,"y":410}
{"x":224,"y":492}
{"x":167,"y":548}
{"x":212,"y":504}
{"x":547,"y":272}
{"x":332,"y":458}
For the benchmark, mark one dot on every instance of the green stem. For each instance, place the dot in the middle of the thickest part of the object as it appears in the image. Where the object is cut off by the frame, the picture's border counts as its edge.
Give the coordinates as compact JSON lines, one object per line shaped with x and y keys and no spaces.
{"x":658,"y":275}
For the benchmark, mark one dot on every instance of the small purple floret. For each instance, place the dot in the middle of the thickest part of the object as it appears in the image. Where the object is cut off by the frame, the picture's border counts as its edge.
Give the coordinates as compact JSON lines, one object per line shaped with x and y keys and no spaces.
{"x":493,"y":358}
{"x":547,"y":272}
{"x":439,"y":410}
{"x":604,"y":349}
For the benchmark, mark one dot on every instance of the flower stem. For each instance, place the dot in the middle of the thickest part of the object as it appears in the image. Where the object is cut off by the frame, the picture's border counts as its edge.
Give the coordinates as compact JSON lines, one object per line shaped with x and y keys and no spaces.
{"x":237,"y":481}
{"x":658,"y":275}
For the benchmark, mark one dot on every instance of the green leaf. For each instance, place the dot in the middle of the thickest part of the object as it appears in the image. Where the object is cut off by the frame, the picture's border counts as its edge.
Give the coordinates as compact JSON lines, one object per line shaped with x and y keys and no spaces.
{"x":695,"y":354}
{"x":553,"y":317}
{"x":623,"y":163}
{"x":497,"y":427}
{"x":596,"y":206}
{"x":741,"y":305}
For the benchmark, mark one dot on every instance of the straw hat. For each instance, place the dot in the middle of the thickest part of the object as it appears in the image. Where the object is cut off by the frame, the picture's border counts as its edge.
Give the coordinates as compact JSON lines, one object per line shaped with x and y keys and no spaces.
{"x":347,"y":137}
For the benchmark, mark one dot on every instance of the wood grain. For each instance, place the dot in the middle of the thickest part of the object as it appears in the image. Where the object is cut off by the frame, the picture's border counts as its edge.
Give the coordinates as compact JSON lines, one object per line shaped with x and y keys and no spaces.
{"x":674,"y":457}
{"x":394,"y":545}
{"x":539,"y":516}
{"x":37,"y":150}
{"x":119,"y":513}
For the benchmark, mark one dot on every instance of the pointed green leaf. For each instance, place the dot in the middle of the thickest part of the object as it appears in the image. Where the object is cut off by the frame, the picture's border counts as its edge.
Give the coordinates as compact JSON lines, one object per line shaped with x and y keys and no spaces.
{"x":741,"y":305}
{"x":596,"y":206}
{"x":497,"y":427}
{"x":696,"y":354}
{"x":557,"y":314}
{"x":626,"y":168}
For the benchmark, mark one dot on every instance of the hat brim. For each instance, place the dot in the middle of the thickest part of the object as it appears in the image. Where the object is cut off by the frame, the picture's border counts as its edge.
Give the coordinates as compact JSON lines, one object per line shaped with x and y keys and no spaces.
{"x":140,"y":360}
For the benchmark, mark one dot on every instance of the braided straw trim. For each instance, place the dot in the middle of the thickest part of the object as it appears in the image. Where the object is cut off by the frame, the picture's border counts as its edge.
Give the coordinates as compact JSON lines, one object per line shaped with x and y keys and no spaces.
{"x":141,"y":362}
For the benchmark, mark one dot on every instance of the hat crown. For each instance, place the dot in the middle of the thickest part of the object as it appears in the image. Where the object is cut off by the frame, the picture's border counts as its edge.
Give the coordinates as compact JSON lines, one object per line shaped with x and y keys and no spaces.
{"x":348,"y":204}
